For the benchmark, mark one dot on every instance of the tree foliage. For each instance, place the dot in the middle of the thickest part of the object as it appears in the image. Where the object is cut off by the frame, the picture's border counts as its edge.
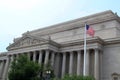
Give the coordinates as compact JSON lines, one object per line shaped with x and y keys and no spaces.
{"x":75,"y":77}
{"x":23,"y":69}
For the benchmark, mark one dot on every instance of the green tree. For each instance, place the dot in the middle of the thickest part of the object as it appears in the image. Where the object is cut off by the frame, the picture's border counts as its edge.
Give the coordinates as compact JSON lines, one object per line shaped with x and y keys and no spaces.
{"x":75,"y":77}
{"x":24,"y":69}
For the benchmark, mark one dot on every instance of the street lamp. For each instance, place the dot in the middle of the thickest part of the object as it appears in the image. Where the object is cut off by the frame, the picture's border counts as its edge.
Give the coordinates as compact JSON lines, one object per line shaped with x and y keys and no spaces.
{"x":48,"y":75}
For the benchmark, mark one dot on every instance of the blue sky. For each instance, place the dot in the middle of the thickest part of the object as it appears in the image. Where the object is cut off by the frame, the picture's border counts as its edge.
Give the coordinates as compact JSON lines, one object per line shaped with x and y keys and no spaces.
{"x":19,"y":16}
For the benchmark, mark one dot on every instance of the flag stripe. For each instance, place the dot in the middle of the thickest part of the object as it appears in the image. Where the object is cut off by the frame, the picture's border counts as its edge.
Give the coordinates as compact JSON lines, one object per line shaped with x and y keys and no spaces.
{"x":90,"y":30}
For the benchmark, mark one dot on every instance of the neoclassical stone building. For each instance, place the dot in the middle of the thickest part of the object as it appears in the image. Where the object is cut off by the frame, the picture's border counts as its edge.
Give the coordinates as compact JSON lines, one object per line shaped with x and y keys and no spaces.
{"x":63,"y":44}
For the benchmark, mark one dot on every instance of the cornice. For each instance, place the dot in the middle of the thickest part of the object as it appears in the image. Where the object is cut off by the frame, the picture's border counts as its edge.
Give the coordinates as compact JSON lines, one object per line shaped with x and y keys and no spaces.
{"x":91,"y":19}
{"x":112,"y":41}
{"x":3,"y":54}
{"x":81,"y":42}
{"x":51,"y":42}
{"x":92,"y":43}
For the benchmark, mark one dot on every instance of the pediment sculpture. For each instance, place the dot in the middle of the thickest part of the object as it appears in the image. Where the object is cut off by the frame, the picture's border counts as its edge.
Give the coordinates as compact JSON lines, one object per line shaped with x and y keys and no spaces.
{"x":25,"y":41}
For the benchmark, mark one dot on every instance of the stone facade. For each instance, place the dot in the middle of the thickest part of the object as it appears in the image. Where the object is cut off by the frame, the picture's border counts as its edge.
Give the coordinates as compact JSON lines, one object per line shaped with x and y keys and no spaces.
{"x":63,"y":46}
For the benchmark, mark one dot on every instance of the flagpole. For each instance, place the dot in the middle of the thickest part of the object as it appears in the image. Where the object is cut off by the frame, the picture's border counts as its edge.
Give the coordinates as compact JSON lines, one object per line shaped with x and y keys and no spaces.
{"x":84,"y":67}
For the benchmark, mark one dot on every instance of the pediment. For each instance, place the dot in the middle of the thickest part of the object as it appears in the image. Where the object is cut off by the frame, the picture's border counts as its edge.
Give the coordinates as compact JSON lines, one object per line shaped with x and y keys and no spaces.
{"x":26,"y":41}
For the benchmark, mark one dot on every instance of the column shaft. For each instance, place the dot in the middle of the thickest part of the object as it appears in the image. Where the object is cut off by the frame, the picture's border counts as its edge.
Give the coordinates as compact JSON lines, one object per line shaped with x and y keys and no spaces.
{"x":11,"y":60}
{"x":46,"y":56}
{"x":87,"y":63}
{"x":40,"y":57}
{"x":96,"y":65}
{"x":71,"y":63}
{"x":78,"y":62}
{"x":34,"y":56}
{"x":4,"y":77}
{"x":52,"y":59}
{"x":86,"y":67}
{"x":2,"y":68}
{"x":63,"y":64}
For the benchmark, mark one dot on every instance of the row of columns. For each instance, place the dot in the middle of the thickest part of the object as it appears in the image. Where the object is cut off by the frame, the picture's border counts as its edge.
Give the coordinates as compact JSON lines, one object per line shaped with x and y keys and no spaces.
{"x":6,"y":63}
{"x":78,"y":66}
{"x":46,"y":56}
{"x":5,"y":67}
{"x":2,"y":65}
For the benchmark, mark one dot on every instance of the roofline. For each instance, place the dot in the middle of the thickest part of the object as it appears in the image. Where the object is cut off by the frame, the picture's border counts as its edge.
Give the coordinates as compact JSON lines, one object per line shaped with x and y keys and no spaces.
{"x":79,"y":23}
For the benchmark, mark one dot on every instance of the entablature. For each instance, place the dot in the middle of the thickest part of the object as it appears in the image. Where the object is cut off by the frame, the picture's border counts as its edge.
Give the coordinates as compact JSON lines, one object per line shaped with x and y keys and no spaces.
{"x":92,"y":43}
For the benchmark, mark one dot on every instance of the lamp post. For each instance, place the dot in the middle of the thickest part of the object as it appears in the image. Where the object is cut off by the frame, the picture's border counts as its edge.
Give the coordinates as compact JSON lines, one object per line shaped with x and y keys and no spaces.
{"x":48,"y":75}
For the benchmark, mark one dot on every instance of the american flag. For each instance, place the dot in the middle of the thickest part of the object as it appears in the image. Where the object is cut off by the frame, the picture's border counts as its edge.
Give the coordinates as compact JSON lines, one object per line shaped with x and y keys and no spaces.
{"x":90,"y":30}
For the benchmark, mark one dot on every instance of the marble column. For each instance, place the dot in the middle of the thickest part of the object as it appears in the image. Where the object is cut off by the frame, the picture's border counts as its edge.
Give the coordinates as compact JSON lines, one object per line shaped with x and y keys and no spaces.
{"x":86,"y":63}
{"x":1,"y":69}
{"x":78,"y":62}
{"x":96,"y":64}
{"x":34,"y":56}
{"x":52,"y":59}
{"x":11,"y":60}
{"x":63,"y":64}
{"x":46,"y":56}
{"x":40,"y":57}
{"x":71,"y":63}
{"x":4,"y":77}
